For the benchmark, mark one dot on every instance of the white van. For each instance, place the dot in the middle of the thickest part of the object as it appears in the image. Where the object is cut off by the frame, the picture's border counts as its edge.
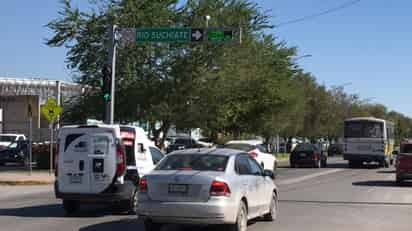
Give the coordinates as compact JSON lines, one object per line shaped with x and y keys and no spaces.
{"x":102,"y":164}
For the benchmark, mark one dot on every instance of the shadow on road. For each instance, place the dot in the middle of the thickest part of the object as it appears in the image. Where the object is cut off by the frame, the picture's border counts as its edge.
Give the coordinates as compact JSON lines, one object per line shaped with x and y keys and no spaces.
{"x":386,"y":171}
{"x":136,"y":225}
{"x":381,"y":183}
{"x":56,"y":210}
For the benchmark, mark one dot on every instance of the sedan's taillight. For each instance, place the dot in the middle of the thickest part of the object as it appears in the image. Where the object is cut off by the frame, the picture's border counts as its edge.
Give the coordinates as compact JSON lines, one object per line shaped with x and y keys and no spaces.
{"x":219,"y":188}
{"x":143,"y":185}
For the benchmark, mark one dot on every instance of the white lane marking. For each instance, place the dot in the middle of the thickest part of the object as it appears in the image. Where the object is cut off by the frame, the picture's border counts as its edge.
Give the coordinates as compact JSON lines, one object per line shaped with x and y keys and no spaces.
{"x":307,"y":177}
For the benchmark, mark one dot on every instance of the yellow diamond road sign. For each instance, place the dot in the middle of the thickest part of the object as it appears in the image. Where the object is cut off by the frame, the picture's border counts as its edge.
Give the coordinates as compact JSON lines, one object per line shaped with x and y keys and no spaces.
{"x":50,"y":109}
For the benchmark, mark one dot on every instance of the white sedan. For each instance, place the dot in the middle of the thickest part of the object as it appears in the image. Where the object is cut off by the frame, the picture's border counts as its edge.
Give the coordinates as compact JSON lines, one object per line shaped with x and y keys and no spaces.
{"x":256,"y":149}
{"x":207,"y":186}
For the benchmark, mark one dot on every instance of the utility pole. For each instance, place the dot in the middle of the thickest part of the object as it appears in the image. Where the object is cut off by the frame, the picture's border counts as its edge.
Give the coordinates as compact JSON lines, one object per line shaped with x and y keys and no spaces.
{"x":111,"y":65}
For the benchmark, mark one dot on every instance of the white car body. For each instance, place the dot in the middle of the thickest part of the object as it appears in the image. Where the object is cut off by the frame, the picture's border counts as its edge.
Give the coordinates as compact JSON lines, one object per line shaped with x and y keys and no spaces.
{"x":267,"y":160}
{"x":13,"y":137}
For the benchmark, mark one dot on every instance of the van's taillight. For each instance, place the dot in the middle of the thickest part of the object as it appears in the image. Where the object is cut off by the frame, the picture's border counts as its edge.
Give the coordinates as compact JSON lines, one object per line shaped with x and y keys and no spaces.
{"x":143,"y":185}
{"x":253,"y":154}
{"x":219,"y":188}
{"x":120,"y":160}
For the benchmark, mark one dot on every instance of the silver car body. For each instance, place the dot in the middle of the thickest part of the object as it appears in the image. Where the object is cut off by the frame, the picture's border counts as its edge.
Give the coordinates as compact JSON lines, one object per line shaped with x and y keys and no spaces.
{"x":198,"y":206}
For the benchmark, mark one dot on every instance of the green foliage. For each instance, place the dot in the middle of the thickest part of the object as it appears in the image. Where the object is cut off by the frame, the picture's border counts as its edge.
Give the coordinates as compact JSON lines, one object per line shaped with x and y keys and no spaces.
{"x":229,"y":90}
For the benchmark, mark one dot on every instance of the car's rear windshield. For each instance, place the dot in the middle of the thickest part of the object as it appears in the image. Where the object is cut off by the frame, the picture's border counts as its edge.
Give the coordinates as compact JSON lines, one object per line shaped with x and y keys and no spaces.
{"x":406,"y":148}
{"x":240,"y":146}
{"x":7,"y":138}
{"x":304,"y":147}
{"x":197,"y":162}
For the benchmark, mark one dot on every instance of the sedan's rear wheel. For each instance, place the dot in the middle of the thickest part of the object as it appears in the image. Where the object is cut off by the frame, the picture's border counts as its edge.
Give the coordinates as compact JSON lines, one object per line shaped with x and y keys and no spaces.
{"x":273,"y":210}
{"x":241,"y":220}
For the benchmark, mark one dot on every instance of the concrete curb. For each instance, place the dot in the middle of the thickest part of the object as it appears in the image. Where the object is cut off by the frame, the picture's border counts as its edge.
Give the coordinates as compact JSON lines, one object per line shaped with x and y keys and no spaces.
{"x":24,"y":182}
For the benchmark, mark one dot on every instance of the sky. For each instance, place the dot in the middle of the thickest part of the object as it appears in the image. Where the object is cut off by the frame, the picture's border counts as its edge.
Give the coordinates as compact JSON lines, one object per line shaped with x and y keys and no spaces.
{"x":365,"y":47}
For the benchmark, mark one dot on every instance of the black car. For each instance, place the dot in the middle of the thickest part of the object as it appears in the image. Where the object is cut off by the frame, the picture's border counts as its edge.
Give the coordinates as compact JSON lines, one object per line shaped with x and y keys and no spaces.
{"x":14,"y":153}
{"x":307,"y":154}
{"x":183,"y":143}
{"x":335,"y":149}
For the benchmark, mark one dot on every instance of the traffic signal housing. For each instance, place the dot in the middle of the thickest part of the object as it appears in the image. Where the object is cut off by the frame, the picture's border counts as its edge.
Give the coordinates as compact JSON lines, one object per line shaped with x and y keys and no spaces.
{"x":106,"y":82}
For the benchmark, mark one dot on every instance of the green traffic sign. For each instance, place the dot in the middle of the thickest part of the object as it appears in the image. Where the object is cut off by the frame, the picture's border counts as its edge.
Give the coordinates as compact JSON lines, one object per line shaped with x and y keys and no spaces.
{"x":163,"y":35}
{"x":219,"y":35}
{"x":182,"y":35}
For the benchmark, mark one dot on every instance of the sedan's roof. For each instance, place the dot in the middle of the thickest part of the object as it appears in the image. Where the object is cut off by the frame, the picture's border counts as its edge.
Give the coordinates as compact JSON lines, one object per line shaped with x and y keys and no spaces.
{"x":211,"y":151}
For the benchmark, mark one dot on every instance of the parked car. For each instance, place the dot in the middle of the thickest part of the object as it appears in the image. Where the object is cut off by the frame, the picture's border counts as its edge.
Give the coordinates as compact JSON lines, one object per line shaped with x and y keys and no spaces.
{"x":307,"y":154}
{"x":182,"y":143}
{"x":404,"y":162}
{"x":7,"y":139}
{"x":102,"y":164}
{"x":209,"y":187}
{"x":16,"y":152}
{"x":257,"y":149}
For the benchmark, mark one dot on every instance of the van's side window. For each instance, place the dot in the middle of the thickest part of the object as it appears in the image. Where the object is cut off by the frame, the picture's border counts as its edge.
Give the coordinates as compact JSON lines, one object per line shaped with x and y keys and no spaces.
{"x":70,"y":138}
{"x":156,"y":155}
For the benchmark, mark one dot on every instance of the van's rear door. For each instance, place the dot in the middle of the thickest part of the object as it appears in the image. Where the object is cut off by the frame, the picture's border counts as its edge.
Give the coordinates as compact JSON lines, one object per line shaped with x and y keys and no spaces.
{"x":74,"y":166}
{"x":87,"y":160}
{"x":103,"y":161}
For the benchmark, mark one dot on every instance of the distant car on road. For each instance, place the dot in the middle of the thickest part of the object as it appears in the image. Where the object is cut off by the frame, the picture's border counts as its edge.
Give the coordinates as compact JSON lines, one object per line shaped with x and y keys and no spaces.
{"x":404,"y":162}
{"x":16,"y":152}
{"x":181,"y":143}
{"x":256,"y":149}
{"x":209,"y":187}
{"x":307,"y":154}
{"x":7,"y":139}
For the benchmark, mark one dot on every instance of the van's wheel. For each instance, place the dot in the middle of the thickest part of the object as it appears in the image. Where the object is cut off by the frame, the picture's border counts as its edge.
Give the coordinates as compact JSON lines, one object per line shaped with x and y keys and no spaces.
{"x":273,"y":212}
{"x":151,"y":226}
{"x":70,"y":206}
{"x":241,"y":220}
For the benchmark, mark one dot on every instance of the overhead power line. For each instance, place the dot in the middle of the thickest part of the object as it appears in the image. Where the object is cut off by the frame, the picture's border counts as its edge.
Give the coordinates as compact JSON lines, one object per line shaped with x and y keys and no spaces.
{"x":312,"y":16}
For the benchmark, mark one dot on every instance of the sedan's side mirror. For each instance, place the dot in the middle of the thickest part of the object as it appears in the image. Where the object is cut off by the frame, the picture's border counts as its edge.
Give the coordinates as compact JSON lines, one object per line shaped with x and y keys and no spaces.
{"x":269,"y":173}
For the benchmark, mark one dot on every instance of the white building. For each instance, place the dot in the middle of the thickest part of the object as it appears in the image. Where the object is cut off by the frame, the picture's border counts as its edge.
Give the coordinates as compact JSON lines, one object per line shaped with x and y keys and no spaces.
{"x":18,"y":95}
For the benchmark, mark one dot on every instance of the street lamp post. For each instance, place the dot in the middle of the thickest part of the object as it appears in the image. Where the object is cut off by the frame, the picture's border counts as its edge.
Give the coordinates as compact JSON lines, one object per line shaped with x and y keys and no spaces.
{"x":208,"y":17}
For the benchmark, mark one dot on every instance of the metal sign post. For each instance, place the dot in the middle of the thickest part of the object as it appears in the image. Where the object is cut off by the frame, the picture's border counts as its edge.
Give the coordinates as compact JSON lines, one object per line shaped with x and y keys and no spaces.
{"x":30,"y":139}
{"x":51,"y":111}
{"x":51,"y":147}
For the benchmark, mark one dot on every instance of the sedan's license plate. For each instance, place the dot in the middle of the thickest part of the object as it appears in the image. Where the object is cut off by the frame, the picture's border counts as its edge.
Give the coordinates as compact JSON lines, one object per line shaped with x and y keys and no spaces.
{"x":75,"y":179}
{"x":302,"y":154}
{"x":178,"y":188}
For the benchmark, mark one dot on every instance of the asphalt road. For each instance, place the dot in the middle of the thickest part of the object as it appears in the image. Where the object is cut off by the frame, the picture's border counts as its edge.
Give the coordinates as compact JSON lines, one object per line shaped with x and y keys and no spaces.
{"x":334,"y":198}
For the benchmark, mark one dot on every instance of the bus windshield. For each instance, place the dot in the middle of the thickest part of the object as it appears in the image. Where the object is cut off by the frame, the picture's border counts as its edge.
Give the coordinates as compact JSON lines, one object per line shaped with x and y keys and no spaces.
{"x":363,"y":129}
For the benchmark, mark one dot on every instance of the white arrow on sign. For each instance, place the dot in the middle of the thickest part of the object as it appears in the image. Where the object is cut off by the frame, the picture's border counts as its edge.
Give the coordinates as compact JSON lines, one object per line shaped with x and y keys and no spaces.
{"x":197,"y":35}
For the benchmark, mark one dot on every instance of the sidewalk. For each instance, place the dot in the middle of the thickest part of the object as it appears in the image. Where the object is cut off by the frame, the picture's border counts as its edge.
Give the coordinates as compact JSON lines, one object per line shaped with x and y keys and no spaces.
{"x":23,"y":178}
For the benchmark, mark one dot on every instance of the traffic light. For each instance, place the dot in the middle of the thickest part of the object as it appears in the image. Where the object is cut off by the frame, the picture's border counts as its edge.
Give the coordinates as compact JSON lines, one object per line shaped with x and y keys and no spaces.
{"x":106,"y":82}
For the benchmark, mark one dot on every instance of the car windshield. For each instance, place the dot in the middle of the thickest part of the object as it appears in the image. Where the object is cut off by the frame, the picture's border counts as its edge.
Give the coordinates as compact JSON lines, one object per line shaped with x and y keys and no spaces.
{"x":198,"y":162}
{"x":363,"y":129}
{"x":304,"y":147}
{"x":184,"y":141}
{"x":240,"y":146}
{"x":7,"y":138}
{"x":406,"y":148}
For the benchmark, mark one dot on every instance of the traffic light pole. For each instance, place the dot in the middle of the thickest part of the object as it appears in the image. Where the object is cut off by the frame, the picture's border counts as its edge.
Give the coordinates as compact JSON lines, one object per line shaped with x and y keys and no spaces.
{"x":109,"y":106}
